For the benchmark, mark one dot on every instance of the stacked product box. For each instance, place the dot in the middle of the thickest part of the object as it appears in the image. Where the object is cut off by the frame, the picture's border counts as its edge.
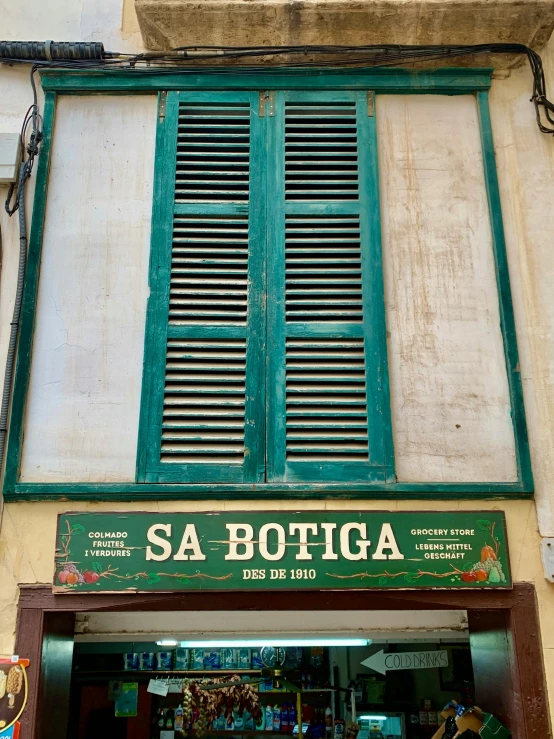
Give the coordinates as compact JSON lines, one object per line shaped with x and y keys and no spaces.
{"x":198,"y":658}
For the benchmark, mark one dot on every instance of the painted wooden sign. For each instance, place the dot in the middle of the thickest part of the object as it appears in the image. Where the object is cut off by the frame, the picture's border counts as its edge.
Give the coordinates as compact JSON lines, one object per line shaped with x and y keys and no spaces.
{"x":105,"y":552}
{"x":383,"y":663}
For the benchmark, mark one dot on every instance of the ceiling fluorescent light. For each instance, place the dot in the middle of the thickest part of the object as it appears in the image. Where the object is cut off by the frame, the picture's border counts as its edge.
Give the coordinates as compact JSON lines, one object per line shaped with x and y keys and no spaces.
{"x":280,"y":642}
{"x":167,"y":643}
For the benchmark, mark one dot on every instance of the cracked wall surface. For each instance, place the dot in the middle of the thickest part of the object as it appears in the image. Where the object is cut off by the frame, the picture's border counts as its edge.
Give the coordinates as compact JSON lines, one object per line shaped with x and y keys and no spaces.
{"x":84,"y":394}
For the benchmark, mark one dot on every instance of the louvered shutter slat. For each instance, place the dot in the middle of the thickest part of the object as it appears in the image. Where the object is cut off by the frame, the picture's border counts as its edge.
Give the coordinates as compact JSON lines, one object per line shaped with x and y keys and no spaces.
{"x":322,"y":420}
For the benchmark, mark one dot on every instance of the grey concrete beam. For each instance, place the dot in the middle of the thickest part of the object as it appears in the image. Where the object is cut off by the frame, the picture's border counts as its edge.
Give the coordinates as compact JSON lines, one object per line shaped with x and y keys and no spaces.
{"x":166,"y":24}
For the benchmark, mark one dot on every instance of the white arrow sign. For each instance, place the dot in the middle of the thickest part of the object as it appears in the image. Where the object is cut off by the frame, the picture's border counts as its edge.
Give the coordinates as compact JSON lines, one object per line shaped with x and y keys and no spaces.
{"x":383,"y":663}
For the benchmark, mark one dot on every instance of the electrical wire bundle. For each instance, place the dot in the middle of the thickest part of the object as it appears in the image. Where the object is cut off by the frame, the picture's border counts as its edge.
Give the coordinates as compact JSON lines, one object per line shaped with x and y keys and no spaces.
{"x":252,"y":60}
{"x":30,"y":150}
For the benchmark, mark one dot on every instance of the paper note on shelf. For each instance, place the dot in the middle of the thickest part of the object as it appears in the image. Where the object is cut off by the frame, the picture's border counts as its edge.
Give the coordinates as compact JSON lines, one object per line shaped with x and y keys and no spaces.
{"x":158,"y":687}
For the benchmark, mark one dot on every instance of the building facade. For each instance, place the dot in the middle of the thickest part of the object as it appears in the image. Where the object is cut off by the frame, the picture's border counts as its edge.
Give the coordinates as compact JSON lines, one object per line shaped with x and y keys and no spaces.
{"x":283,"y":291}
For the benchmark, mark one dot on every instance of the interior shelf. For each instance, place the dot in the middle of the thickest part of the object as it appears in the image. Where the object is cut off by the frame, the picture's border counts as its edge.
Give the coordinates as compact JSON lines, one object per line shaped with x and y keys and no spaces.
{"x":150,"y":673}
{"x":242,"y":732}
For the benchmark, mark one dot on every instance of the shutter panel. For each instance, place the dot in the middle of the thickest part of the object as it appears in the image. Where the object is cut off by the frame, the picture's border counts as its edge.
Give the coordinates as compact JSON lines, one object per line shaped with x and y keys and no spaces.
{"x":326,"y":417}
{"x":209,"y":406}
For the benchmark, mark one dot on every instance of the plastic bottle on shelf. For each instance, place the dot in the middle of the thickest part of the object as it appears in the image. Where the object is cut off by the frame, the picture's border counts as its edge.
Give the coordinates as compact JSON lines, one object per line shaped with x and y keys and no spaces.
{"x":276,"y":718}
{"x":293,"y":716}
{"x":260,"y":725}
{"x":322,"y":714}
{"x":155,"y":732}
{"x":220,"y":722}
{"x":161,"y":719}
{"x":269,"y":718}
{"x":179,"y":718}
{"x":285,"y":717}
{"x":318,"y":714}
{"x":328,"y":720}
{"x":169,"y":719}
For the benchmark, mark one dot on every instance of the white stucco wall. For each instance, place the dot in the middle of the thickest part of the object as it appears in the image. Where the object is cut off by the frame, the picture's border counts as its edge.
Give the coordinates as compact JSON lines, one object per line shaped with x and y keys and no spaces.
{"x":72,"y":20}
{"x":86,"y":372}
{"x":449,"y":389}
{"x":525,"y":162}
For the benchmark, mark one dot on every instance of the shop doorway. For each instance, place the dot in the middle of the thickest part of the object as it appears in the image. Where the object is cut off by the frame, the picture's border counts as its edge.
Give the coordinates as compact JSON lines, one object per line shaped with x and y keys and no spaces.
{"x":497,"y":658}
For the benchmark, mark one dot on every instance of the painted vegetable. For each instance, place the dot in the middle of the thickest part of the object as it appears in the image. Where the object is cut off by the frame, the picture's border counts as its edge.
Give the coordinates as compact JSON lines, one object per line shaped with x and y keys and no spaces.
{"x":487,"y":552}
{"x":489,"y":565}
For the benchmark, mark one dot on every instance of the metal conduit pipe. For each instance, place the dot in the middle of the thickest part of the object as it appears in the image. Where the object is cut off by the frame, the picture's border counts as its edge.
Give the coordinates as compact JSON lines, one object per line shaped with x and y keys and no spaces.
{"x":14,"y":326}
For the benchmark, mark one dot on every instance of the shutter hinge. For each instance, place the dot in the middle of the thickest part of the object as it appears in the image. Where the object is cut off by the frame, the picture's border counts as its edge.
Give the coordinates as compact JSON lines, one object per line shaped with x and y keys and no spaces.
{"x":272,"y":103}
{"x":370,"y":104}
{"x":263,"y":96}
{"x":161,"y":105}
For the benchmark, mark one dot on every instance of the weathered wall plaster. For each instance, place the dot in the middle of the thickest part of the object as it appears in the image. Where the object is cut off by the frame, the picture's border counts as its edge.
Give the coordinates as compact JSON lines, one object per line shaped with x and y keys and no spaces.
{"x":449,"y":390}
{"x":86,"y":373}
{"x":70,"y":20}
{"x":525,"y":161}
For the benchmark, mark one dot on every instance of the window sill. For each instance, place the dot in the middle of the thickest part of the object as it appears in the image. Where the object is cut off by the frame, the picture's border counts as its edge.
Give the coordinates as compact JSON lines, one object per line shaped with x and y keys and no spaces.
{"x":268,"y":491}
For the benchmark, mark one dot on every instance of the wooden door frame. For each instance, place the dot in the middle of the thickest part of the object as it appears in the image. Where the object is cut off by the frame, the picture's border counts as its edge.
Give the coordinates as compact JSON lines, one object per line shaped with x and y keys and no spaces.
{"x":510,"y":616}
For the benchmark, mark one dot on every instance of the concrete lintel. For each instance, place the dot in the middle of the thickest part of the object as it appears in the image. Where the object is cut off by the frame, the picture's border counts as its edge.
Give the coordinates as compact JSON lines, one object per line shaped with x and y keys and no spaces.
{"x":166,"y":24}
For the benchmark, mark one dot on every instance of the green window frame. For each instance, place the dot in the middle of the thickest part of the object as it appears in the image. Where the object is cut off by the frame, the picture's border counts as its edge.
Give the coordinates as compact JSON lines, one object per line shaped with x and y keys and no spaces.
{"x":289,"y":474}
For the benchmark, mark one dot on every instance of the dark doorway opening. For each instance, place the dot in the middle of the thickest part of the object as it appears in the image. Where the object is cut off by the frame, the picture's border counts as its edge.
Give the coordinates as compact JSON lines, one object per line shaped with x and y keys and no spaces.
{"x":503,"y":630}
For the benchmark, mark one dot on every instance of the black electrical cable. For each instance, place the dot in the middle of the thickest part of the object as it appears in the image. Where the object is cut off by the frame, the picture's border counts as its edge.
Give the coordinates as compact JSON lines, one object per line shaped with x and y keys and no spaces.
{"x":93,"y":57}
{"x":32,"y":116}
{"x":29,"y":153}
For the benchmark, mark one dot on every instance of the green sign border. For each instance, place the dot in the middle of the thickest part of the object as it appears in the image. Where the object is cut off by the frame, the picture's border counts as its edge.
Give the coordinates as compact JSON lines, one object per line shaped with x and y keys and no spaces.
{"x":435,"y":554}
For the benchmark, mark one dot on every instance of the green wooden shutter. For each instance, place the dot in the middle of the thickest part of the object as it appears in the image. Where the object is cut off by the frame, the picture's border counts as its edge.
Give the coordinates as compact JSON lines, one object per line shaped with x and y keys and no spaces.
{"x":327,"y":392}
{"x":206,"y":422}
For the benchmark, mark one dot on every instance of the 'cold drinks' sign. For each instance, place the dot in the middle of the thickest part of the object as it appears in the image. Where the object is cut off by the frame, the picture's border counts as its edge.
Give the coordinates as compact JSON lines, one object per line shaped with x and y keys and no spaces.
{"x":100,"y":552}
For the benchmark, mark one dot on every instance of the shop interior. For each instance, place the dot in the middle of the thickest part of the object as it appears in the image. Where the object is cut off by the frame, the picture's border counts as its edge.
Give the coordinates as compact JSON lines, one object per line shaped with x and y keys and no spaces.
{"x":347,"y":675}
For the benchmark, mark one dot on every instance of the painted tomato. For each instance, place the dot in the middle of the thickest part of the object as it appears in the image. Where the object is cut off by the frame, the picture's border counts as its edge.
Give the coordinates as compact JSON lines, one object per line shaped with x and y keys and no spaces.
{"x":62,"y":576}
{"x":470,"y":576}
{"x":72,"y":578}
{"x":487,"y":552}
{"x":481,"y":575}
